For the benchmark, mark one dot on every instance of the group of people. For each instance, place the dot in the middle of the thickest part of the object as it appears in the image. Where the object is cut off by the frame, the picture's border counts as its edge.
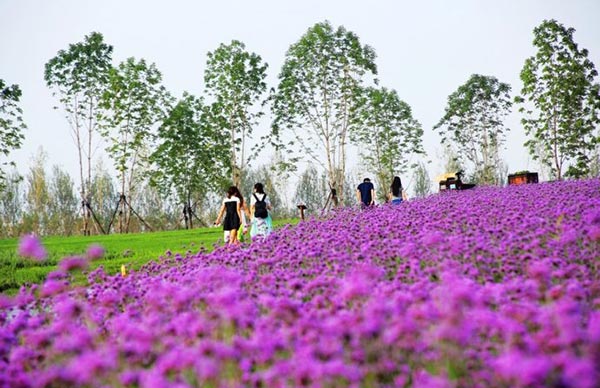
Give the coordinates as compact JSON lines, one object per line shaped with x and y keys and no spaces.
{"x":365,"y":193}
{"x":237,"y":217}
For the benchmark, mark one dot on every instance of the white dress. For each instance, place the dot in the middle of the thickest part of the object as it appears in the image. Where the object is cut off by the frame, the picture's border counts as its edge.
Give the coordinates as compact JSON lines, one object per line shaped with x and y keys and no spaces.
{"x":261,"y":226}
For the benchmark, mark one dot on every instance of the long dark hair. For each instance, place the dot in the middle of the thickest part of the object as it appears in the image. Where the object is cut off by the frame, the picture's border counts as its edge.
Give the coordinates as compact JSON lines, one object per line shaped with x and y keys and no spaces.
{"x":240,"y":196}
{"x":231,"y":191}
{"x":396,"y":186}
{"x":259,"y":188}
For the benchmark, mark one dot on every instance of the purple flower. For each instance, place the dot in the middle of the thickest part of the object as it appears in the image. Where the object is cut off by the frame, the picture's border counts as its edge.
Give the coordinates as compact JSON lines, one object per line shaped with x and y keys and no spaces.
{"x":31,"y":246}
{"x":94,"y":252}
{"x":69,"y":264}
{"x":581,"y":373}
{"x":433,"y":238}
{"x":522,"y":369}
{"x":594,"y":232}
{"x":53,"y":287}
{"x":477,"y":288}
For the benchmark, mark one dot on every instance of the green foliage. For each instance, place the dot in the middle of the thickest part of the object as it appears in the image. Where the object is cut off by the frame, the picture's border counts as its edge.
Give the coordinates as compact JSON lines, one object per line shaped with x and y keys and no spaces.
{"x":386,"y":133}
{"x":160,"y":211}
{"x":235,"y":79}
{"x":11,"y":125}
{"x":11,"y":205}
{"x":103,"y":194}
{"x":79,"y":76}
{"x":312,"y":190}
{"x":62,"y":203}
{"x":452,"y":162}
{"x":422,"y":181}
{"x":37,"y":198}
{"x":134,"y":102}
{"x":473,"y":125}
{"x":191,"y":156}
{"x":319,"y":84}
{"x":560,"y":101}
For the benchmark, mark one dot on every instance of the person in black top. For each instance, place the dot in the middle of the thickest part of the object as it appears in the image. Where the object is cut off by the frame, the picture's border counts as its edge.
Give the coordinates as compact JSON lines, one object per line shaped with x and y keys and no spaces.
{"x":231,"y":208}
{"x":397,"y":193}
{"x":365,"y":193}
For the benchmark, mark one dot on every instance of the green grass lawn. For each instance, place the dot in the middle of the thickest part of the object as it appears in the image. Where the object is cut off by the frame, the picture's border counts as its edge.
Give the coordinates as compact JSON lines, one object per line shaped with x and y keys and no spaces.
{"x":133,"y":250}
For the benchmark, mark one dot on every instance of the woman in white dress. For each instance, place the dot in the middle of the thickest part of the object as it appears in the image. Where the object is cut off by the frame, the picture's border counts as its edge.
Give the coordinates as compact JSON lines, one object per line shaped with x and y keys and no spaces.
{"x":231,"y":208}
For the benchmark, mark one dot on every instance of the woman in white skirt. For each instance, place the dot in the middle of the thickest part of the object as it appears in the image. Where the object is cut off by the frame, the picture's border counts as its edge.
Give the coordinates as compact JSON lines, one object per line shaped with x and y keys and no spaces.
{"x":260,"y":210}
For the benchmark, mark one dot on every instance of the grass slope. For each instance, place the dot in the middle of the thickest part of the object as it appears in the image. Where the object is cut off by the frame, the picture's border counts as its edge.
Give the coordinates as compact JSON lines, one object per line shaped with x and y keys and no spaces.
{"x":132,"y":250}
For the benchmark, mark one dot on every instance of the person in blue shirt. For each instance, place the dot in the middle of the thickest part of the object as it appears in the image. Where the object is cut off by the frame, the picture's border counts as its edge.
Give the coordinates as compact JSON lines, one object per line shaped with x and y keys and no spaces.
{"x":365,"y":193}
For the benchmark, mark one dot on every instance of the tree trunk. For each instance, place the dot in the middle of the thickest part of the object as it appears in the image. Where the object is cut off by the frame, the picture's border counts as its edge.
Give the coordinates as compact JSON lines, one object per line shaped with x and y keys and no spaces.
{"x":83,"y":192}
{"x":235,"y":171}
{"x":89,"y":163}
{"x":555,"y":148}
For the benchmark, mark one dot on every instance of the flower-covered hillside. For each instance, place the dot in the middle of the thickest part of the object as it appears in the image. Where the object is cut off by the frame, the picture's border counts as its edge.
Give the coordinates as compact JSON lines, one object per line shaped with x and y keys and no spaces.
{"x":494,"y":287}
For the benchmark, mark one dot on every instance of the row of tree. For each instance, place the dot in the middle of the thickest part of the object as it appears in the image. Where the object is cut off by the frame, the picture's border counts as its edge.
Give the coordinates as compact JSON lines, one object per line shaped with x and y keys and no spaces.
{"x":45,"y":201}
{"x":559,"y":101}
{"x":327,"y":97}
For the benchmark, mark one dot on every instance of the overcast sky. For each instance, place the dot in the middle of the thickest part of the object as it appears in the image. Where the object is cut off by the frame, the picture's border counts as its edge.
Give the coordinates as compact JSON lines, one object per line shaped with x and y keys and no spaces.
{"x":425,"y":49}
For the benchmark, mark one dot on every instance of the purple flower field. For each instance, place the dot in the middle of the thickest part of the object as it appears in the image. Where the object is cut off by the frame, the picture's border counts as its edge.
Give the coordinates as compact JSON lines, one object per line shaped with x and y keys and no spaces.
{"x":493,"y":287}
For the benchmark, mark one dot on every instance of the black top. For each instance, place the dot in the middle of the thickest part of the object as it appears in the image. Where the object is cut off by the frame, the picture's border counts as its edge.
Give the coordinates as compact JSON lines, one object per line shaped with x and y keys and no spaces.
{"x":232,"y":220}
{"x":365,"y":192}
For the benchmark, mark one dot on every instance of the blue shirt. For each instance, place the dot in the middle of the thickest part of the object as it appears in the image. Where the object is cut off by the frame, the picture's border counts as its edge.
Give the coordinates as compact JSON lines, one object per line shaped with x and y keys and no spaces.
{"x":365,"y":192}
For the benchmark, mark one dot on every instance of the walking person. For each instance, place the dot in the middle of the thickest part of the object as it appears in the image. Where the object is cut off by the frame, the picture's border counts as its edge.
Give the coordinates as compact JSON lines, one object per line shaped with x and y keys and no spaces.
{"x":365,"y":193}
{"x":260,"y":208}
{"x":231,"y":209}
{"x":397,"y":193}
{"x":243,"y":230}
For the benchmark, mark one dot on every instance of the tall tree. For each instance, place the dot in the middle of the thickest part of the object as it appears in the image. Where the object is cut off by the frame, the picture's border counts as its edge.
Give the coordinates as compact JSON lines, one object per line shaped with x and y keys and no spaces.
{"x":103,"y":194}
{"x":311,"y":190}
{"x":62,"y":203}
{"x":235,"y":79}
{"x":11,"y":125}
{"x":319,"y":84}
{"x":560,"y":101}
{"x":134,"y":102}
{"x":595,"y":163}
{"x":37,"y":195}
{"x":452,"y":162}
{"x":474,"y":124}
{"x":11,"y":205}
{"x":422,"y":181}
{"x":386,"y":134}
{"x":156,"y":209}
{"x":191,"y":157}
{"x":78,"y":76}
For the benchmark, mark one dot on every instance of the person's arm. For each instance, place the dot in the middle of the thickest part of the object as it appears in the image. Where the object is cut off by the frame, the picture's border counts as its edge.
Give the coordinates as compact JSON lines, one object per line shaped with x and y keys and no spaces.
{"x":269,"y":206}
{"x":247,"y":210}
{"x":404,"y":196}
{"x":221,"y":211}
{"x":239,"y":211}
{"x":358,"y":195}
{"x":372,"y":196}
{"x":243,"y":212}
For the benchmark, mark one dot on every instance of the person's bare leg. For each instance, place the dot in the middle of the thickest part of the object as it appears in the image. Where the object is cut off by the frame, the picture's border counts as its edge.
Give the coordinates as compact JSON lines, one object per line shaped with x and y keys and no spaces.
{"x":233,"y":236}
